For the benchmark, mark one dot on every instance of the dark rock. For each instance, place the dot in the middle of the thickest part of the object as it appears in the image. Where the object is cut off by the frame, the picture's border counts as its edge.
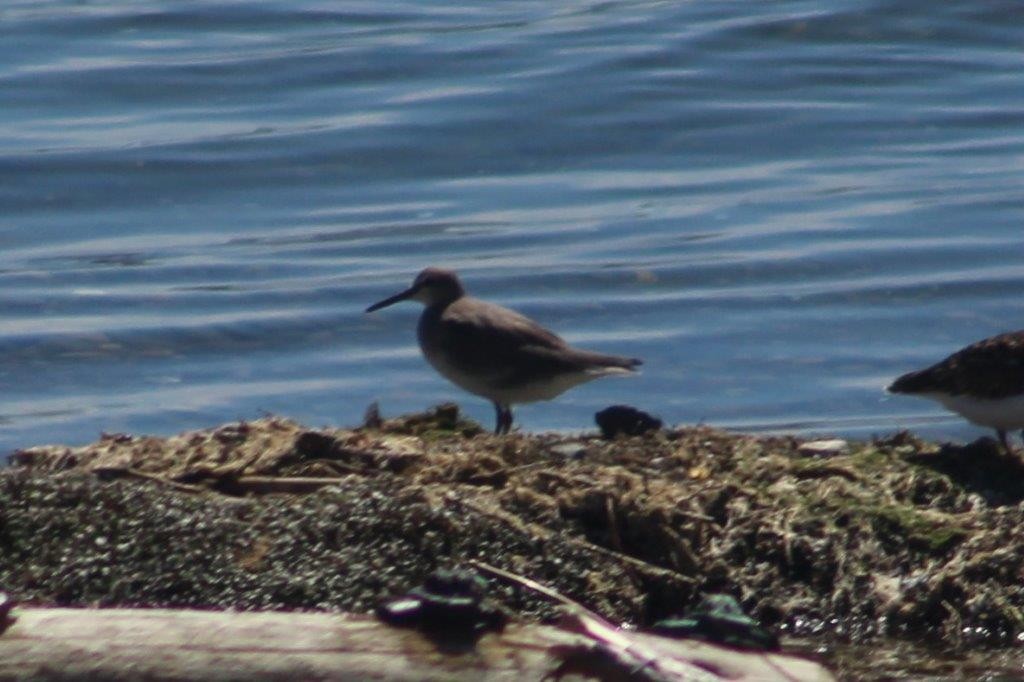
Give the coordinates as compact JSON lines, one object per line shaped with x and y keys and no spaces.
{"x":314,"y":445}
{"x":573,"y":450}
{"x":625,"y":420}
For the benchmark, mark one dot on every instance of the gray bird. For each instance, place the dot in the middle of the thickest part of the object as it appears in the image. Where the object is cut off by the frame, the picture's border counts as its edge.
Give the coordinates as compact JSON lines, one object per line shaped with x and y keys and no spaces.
{"x":495,"y":352}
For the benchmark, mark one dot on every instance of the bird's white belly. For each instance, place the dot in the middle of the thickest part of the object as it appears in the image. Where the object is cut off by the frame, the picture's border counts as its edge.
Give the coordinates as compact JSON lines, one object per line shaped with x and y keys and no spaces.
{"x":1001,"y":413}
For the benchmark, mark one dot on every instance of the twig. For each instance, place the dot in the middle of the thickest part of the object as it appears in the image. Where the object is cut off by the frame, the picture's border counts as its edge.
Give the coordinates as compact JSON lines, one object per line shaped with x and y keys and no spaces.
{"x":783,"y":673}
{"x":282,"y":484}
{"x":546,"y":534}
{"x":342,"y":467}
{"x":530,"y":584}
{"x":128,"y":471}
{"x":826,"y":472}
{"x":639,"y":564}
{"x":633,"y":654}
{"x":613,"y":523}
{"x":680,"y":550}
{"x":696,"y":516}
{"x":526,"y":467}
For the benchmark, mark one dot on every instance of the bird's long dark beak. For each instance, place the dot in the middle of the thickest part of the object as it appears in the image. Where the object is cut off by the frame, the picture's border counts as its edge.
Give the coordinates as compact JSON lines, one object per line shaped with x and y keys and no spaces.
{"x":391,"y":300}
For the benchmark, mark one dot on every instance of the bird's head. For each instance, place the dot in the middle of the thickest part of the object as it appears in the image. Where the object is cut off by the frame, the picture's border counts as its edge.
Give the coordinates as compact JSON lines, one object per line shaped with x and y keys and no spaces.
{"x":433,"y":286}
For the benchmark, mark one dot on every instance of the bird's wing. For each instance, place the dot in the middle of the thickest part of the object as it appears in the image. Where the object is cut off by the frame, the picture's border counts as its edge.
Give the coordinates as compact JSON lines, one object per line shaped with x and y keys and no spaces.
{"x":479,"y":328}
{"x":991,"y":368}
{"x":511,"y":348}
{"x":489,"y":339}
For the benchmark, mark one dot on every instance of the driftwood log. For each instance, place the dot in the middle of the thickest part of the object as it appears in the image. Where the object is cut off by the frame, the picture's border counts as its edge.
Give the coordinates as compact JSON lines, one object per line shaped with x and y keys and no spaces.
{"x":161,"y":644}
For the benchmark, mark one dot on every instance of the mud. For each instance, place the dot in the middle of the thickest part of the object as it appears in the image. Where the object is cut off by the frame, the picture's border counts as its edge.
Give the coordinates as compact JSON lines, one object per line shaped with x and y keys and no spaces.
{"x":894,"y":537}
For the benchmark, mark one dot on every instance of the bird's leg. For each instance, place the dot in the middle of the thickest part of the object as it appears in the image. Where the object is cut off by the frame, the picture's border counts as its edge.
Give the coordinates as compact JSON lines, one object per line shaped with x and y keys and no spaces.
{"x":1004,"y":441}
{"x":504,"y":419}
{"x":499,"y":424}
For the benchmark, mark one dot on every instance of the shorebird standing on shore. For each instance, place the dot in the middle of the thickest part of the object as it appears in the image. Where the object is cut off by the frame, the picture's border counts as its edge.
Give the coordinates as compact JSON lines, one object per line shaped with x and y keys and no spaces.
{"x":495,"y":352}
{"x":982,"y":382}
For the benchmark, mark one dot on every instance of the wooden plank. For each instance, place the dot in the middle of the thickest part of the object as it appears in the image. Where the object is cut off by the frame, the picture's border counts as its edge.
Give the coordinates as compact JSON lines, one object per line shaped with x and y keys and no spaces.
{"x":163,"y":644}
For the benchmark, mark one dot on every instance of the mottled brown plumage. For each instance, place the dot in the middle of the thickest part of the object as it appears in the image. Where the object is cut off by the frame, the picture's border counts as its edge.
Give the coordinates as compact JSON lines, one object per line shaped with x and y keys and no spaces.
{"x":992,"y":368}
{"x":983,"y":382}
{"x":495,"y":352}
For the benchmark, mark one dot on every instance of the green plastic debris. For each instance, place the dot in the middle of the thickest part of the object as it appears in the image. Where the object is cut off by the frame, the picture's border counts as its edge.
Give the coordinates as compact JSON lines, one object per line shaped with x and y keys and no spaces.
{"x":719,"y":619}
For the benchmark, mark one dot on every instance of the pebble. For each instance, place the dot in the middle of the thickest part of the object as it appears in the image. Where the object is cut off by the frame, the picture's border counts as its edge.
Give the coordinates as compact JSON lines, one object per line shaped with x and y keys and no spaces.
{"x":824,"y":448}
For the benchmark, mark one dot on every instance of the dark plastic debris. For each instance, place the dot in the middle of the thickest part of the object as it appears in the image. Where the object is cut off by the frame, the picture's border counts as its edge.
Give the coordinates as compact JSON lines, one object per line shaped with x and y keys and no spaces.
{"x":625,"y":420}
{"x":719,"y":619}
{"x":451,"y":601}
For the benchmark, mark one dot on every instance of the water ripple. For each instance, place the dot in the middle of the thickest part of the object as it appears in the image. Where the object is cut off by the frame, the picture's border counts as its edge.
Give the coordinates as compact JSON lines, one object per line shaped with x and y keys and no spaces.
{"x":776,"y":205}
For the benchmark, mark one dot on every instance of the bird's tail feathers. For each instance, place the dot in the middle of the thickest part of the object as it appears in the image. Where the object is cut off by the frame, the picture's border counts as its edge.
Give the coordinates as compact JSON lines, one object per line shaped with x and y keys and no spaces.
{"x":601,"y":365}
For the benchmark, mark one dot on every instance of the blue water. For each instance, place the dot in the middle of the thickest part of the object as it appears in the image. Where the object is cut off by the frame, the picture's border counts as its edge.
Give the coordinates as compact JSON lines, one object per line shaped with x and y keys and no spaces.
{"x":779,"y":206}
